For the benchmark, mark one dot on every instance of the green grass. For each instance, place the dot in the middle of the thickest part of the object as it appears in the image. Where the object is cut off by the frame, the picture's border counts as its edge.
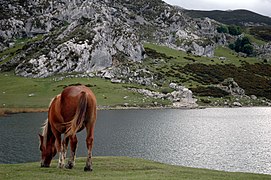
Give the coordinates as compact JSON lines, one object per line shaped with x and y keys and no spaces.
{"x":232,"y":57}
{"x":181,"y":58}
{"x":119,"y":168}
{"x":255,"y":40}
{"x":15,"y":91}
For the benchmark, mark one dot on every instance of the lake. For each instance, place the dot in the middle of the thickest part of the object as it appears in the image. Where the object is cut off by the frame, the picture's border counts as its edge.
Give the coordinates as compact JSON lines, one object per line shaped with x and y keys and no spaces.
{"x":229,"y":139}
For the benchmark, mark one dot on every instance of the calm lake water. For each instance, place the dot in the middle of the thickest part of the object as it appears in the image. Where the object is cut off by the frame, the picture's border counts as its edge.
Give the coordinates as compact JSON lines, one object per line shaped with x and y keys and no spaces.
{"x":227,"y":139}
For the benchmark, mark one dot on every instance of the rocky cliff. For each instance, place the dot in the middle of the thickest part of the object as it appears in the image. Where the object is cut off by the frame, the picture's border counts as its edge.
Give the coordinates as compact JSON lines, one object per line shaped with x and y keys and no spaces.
{"x":91,"y":35}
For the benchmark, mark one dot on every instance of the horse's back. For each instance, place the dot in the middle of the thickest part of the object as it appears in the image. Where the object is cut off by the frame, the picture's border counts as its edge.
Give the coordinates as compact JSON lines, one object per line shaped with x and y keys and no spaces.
{"x":70,"y":97}
{"x":64,"y":106}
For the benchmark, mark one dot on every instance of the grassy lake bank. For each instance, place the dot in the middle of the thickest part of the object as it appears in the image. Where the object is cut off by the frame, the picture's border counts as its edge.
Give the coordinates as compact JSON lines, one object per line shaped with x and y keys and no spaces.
{"x":118,"y":168}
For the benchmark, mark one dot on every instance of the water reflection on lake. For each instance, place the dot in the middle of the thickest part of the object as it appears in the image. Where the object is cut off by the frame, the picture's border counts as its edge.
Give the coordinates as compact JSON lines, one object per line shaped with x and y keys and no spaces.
{"x":223,"y":138}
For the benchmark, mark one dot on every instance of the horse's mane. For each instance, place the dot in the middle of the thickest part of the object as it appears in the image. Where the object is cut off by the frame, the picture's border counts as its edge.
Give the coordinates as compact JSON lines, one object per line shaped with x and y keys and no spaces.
{"x":45,"y":131}
{"x":46,"y":124}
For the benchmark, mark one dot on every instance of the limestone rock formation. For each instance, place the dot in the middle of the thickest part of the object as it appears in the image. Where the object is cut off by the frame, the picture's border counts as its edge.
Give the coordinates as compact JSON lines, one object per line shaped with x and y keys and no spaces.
{"x":230,"y":86}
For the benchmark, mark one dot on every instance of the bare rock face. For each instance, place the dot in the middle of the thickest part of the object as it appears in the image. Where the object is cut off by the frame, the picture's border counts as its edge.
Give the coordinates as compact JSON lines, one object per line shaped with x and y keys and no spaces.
{"x":86,"y":35}
{"x":90,"y":34}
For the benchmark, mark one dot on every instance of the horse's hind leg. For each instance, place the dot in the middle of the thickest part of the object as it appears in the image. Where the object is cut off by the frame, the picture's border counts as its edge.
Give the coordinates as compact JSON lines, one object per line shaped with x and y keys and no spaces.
{"x":89,"y":142}
{"x":73,"y":144}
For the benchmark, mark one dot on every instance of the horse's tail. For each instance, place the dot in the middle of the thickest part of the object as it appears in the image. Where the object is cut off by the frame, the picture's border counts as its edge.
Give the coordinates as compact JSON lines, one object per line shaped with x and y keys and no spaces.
{"x":78,"y":120}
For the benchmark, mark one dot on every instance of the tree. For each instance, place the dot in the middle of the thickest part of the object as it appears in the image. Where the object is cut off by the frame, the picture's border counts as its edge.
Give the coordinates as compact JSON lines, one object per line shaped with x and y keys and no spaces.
{"x":234,"y":30}
{"x":242,"y":45}
{"x":248,"y":49}
{"x":232,"y":46}
{"x":238,"y":45}
{"x":222,"y":29}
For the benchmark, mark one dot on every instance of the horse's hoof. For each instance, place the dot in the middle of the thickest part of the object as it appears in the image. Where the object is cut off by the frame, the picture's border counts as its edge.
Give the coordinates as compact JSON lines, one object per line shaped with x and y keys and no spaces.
{"x":69,"y":165}
{"x":88,"y":168}
{"x":60,"y":166}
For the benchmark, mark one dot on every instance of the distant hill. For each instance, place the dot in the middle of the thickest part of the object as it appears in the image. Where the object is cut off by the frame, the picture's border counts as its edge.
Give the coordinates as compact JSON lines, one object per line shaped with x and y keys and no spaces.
{"x":238,"y":17}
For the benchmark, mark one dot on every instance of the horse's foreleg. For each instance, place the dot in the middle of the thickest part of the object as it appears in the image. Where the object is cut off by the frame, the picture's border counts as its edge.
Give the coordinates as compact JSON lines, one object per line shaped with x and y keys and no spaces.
{"x":89,"y":142}
{"x":65,"y":144}
{"x":61,"y":154}
{"x":73,"y":144}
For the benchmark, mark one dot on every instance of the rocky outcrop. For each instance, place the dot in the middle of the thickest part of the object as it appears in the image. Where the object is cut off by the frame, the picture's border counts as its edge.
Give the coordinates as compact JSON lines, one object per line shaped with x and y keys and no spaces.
{"x":181,"y":97}
{"x":264,"y":51}
{"x":231,"y":87}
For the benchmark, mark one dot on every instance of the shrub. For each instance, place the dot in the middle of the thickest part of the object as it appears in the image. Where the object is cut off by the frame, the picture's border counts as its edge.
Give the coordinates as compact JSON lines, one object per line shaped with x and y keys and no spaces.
{"x":234,"y":30}
{"x":222,"y":29}
{"x":209,"y":91}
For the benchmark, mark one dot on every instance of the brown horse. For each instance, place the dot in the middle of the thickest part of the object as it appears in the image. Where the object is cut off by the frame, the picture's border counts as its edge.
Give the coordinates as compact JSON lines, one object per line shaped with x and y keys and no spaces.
{"x":69,"y":112}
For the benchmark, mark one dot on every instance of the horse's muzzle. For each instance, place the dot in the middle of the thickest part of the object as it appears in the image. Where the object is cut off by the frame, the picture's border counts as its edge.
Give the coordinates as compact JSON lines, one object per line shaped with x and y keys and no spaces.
{"x":44,"y":165}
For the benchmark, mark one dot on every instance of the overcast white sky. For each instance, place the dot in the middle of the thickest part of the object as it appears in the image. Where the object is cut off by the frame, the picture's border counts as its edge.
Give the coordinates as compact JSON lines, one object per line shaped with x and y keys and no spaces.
{"x":259,"y":6}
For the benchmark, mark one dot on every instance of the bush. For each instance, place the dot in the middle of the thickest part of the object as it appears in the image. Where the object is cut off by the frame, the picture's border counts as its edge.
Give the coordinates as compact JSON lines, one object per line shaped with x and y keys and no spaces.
{"x":234,"y":30}
{"x":248,"y":49}
{"x":209,"y":91}
{"x":166,"y":90}
{"x":222,"y":29}
{"x":242,"y":45}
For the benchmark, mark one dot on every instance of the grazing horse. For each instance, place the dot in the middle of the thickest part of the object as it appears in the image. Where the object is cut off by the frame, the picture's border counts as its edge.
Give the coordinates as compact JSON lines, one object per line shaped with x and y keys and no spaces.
{"x":69,"y":112}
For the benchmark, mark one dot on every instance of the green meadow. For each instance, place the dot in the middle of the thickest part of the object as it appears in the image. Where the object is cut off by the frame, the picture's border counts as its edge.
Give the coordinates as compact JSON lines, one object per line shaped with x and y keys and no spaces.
{"x":21,"y":92}
{"x":119,"y":168}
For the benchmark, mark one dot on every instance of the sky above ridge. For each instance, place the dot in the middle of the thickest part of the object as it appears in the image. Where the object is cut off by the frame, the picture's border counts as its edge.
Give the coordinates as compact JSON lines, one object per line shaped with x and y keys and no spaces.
{"x":262,"y":7}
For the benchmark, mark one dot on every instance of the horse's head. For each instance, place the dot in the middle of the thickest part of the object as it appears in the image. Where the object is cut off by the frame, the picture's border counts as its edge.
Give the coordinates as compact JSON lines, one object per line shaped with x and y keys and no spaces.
{"x":48,"y":151}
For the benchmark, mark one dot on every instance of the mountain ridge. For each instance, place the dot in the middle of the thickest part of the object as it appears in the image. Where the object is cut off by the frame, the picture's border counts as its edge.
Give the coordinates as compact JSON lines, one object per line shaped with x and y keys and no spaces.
{"x":238,"y":17}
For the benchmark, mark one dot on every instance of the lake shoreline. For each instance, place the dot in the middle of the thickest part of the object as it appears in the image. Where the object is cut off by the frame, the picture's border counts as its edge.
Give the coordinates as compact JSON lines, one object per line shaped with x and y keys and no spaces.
{"x":8,"y":111}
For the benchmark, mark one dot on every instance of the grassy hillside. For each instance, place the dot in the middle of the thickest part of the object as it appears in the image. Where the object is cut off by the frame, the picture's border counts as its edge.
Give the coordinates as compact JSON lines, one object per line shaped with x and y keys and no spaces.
{"x":20,"y":92}
{"x":119,"y":168}
{"x":201,"y":74}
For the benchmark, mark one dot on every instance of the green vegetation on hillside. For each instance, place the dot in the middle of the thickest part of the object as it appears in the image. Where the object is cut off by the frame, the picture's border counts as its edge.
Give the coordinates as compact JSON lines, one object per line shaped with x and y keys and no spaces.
{"x":202,"y":74}
{"x":261,"y":32}
{"x":118,"y":168}
{"x":9,"y":53}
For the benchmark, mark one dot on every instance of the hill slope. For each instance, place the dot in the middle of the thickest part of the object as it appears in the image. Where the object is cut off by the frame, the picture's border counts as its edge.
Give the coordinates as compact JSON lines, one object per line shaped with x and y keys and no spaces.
{"x":238,"y":17}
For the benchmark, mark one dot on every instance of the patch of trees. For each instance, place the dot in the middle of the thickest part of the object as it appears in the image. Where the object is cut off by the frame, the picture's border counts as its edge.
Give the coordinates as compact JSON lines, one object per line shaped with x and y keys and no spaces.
{"x":231,"y":29}
{"x":242,"y":45}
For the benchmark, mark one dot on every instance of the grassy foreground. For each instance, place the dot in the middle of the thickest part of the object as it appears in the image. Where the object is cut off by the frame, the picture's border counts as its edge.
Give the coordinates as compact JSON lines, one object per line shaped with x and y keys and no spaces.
{"x":118,"y":168}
